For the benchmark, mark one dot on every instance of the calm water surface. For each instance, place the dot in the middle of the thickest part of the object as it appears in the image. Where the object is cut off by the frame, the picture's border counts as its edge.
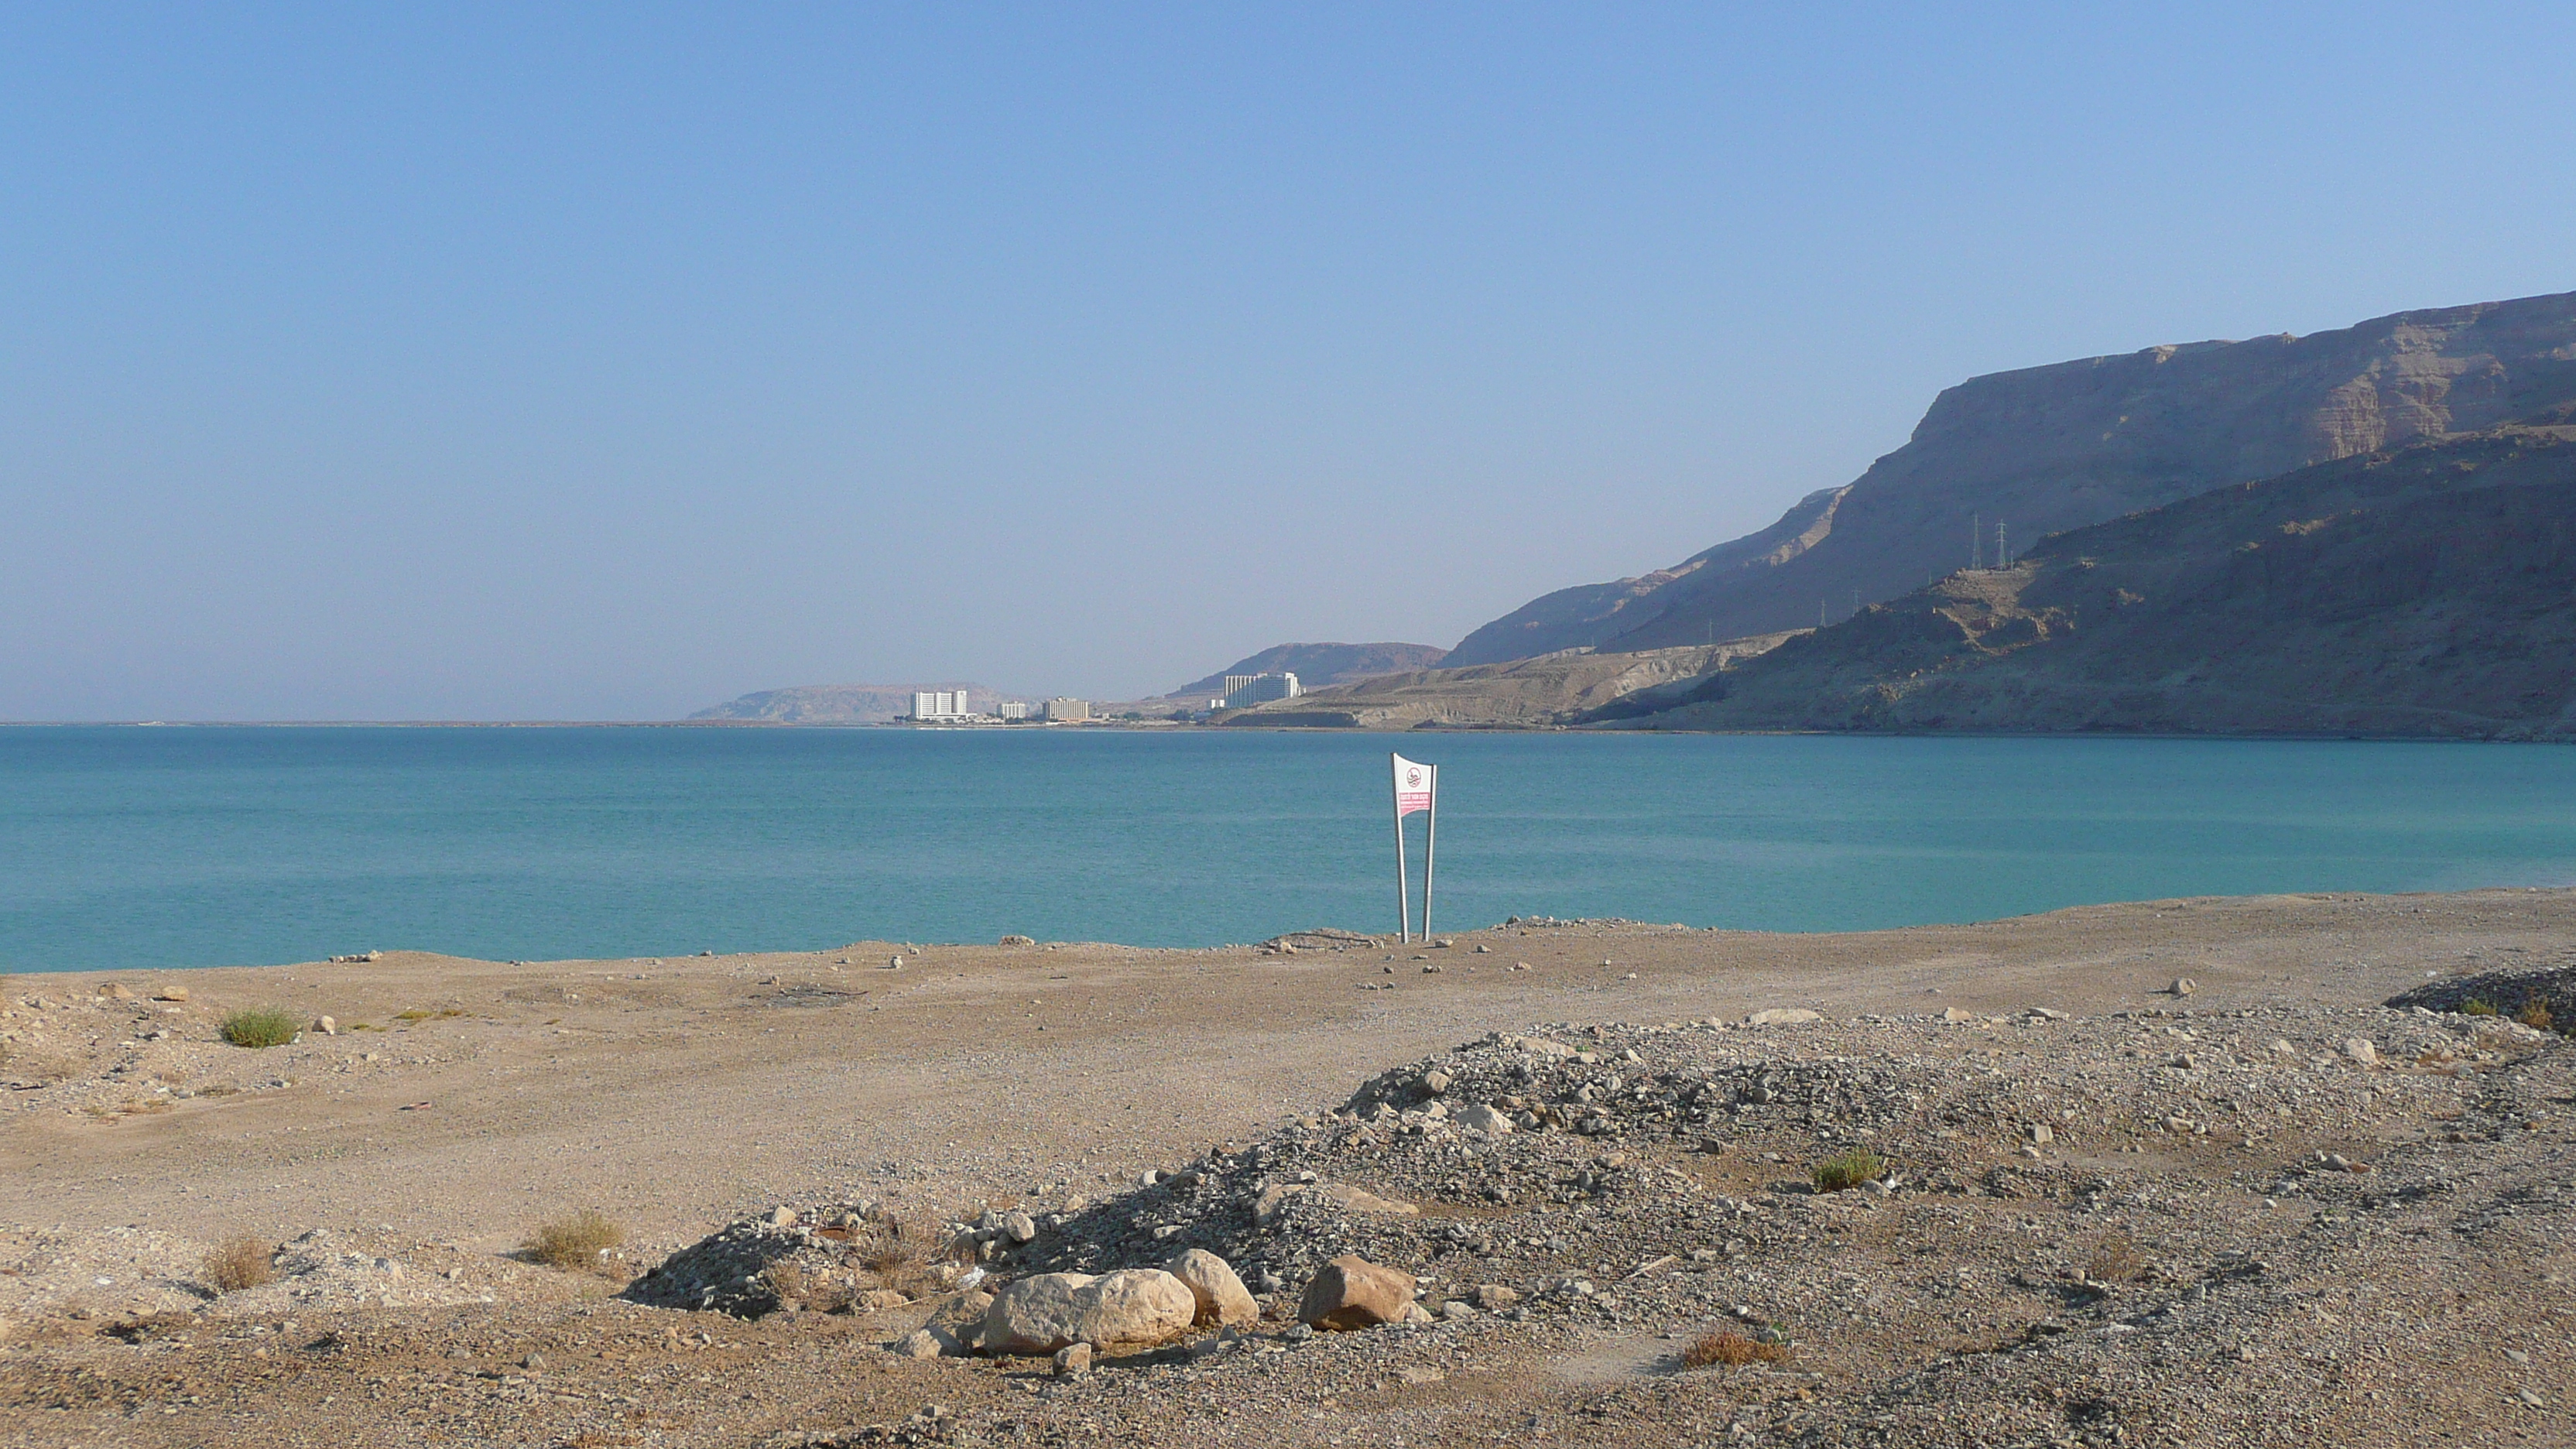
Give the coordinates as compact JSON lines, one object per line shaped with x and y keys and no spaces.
{"x":136,"y":847}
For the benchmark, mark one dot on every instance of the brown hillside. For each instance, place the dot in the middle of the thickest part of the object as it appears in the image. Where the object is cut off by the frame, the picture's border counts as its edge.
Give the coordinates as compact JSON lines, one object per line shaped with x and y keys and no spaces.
{"x":1528,"y":693}
{"x":2422,"y":592}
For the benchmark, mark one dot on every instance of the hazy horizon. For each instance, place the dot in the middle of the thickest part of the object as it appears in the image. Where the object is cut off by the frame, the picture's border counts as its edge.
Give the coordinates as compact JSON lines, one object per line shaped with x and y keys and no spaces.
{"x":611,"y":363}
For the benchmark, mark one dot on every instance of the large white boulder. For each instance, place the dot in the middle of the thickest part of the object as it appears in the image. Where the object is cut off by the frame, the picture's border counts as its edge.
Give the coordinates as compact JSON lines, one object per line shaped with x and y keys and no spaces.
{"x":1222,"y":1298}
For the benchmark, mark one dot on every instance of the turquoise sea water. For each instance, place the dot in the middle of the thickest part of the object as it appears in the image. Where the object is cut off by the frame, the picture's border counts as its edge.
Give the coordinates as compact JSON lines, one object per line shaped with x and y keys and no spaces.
{"x":138,"y":847}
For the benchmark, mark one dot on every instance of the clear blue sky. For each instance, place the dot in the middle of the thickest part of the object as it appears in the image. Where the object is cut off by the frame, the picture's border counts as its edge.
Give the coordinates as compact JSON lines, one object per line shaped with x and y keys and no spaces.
{"x":545,"y":362}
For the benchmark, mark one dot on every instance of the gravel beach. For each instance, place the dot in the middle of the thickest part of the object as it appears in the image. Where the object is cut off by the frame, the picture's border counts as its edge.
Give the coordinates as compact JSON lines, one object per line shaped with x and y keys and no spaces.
{"x":2166,"y":1172}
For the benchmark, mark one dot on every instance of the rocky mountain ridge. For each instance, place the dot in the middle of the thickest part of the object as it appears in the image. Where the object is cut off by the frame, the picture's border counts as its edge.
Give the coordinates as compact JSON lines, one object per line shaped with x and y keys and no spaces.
{"x":2423,"y":591}
{"x":2045,"y":449}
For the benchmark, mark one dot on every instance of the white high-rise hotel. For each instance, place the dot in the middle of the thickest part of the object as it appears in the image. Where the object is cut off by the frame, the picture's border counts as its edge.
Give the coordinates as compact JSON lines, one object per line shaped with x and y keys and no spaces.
{"x":940,"y":704}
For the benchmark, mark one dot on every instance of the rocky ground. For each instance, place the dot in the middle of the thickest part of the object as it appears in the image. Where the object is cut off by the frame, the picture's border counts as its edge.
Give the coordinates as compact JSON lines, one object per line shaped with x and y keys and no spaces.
{"x":2086,"y":1210}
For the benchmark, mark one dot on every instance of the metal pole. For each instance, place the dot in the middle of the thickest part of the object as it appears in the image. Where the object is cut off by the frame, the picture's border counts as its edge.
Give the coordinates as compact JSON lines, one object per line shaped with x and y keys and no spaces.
{"x":1430,"y":849}
{"x":1403,"y":887}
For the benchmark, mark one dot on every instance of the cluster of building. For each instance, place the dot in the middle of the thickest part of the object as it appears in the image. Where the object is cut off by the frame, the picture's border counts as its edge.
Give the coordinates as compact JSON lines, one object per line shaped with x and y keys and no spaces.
{"x":950,"y":706}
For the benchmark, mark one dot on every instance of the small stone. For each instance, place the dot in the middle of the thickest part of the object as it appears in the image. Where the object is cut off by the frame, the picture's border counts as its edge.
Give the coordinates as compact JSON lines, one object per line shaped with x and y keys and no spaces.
{"x":533,"y":1362}
{"x":2531,"y":1398}
{"x":2040,"y":1134}
{"x":1018,"y":941}
{"x":1418,"y":1374}
{"x":1456,"y":1309}
{"x":2282,"y":1048}
{"x":1783,"y":1016}
{"x":1957,"y":1016}
{"x":1073,"y":1360}
{"x":1494,"y":1296}
{"x":878,"y":1300}
{"x":118,"y":991}
{"x":2183,"y":986}
{"x":2516,"y":1356}
{"x":782,"y":1217}
{"x":326,"y":1026}
{"x":1019,"y":1227}
{"x":1435,"y":1082}
{"x":1481,"y":1118}
{"x":2361,"y":1051}
{"x":171,"y":993}
{"x":920,"y":1343}
{"x":894,"y":963}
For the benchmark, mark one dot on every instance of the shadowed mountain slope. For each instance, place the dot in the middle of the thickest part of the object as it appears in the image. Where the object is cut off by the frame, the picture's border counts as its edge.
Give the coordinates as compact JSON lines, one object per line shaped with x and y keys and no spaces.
{"x":2428,"y":591}
{"x":2072,"y":444}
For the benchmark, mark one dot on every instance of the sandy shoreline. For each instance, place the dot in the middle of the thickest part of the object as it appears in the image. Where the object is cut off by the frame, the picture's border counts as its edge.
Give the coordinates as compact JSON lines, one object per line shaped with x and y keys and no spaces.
{"x":678,"y":1093}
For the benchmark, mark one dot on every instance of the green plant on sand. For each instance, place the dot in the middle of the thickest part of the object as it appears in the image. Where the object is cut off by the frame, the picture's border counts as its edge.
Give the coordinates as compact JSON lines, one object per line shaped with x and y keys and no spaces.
{"x":261,"y":1026}
{"x":1849,"y":1169}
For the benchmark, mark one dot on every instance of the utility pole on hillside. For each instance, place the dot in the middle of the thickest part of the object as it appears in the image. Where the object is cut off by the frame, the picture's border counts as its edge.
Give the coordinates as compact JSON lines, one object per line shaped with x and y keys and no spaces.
{"x":1976,"y":541}
{"x":2003,"y":556}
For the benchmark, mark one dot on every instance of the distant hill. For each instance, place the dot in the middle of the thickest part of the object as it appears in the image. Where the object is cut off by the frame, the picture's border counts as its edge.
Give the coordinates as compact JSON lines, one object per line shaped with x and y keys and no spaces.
{"x":2423,"y":591}
{"x":1317,"y":665}
{"x":1556,"y":689}
{"x":2070,"y":445}
{"x":842,"y":703}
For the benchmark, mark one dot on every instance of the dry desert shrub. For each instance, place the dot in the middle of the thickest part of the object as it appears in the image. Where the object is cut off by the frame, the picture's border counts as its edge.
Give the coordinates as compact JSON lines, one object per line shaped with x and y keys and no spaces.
{"x":1731,"y":1349}
{"x":904,"y":1250}
{"x":1850,"y":1169}
{"x":239,"y":1262}
{"x":2114,"y":1259}
{"x":2535,"y":1012}
{"x":261,"y":1026}
{"x":2476,"y":1006}
{"x":581,"y":1240}
{"x":788,"y":1280}
{"x":38,"y":1068}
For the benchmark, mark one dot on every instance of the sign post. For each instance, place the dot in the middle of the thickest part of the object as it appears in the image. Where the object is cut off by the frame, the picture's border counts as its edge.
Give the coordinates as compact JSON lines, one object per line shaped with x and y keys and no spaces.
{"x":1417,"y":787}
{"x":1430,"y":848}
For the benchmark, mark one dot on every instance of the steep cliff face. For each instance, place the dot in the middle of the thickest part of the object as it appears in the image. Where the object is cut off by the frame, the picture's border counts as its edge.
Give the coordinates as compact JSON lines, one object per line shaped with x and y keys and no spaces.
{"x":2077,"y":443}
{"x":2428,"y":591}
